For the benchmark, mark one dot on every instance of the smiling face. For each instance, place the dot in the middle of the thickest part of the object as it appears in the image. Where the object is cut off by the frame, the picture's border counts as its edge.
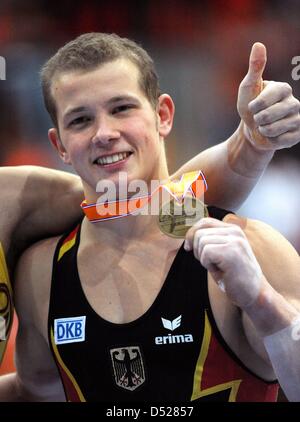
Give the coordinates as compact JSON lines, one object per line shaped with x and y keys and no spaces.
{"x":107,"y":125}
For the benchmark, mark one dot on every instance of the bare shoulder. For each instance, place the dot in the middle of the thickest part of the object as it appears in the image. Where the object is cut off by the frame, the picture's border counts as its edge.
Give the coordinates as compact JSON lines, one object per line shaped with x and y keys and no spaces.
{"x":264,"y":238}
{"x":277,"y":256}
{"x":39,"y":256}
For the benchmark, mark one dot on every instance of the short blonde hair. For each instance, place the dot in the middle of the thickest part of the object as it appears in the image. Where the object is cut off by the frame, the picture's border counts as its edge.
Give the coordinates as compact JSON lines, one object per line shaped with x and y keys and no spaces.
{"x":87,"y":52}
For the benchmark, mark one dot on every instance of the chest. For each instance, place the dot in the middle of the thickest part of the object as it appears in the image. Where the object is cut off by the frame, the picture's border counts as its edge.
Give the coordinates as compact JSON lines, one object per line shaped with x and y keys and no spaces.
{"x":121,"y":284}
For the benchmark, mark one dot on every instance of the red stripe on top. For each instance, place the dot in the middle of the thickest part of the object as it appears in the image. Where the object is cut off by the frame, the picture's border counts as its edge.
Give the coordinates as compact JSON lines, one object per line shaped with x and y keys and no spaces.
{"x":71,"y":235}
{"x":220,"y":368}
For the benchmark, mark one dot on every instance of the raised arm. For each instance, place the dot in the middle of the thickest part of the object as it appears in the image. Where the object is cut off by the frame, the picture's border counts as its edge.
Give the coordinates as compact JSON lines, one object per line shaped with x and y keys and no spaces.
{"x":270,"y":121}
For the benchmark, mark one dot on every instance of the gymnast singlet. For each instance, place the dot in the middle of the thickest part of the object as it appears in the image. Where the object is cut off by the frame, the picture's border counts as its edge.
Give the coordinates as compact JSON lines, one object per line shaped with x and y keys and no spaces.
{"x":173,"y":352}
{"x":6,"y":306}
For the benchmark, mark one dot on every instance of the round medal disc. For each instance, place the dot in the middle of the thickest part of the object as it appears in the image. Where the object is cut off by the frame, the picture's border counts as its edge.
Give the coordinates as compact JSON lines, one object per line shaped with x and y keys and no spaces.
{"x":175,"y":218}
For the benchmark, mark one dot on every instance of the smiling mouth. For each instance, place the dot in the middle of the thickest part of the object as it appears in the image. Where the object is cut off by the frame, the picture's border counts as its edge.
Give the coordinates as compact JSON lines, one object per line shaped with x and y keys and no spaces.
{"x":113,"y":158}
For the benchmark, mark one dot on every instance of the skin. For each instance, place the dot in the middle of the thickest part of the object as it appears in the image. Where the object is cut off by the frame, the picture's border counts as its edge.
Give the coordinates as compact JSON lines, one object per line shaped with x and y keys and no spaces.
{"x":33,"y":206}
{"x":27,"y":210}
{"x":252,"y":266}
{"x":35,"y":203}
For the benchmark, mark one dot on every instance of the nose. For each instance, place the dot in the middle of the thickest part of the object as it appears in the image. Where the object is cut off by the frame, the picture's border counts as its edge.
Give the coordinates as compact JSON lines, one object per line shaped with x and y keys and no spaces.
{"x":106,"y":131}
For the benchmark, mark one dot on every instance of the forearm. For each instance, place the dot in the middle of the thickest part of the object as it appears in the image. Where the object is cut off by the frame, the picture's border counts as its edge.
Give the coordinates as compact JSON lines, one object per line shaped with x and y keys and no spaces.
{"x":232,"y":169}
{"x":235,"y":167}
{"x":62,"y":206}
{"x":52,"y":201}
{"x":278,"y":325}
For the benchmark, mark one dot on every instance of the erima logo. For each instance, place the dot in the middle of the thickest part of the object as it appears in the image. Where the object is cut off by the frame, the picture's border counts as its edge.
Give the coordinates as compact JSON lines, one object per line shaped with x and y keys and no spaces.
{"x":69,"y":330}
{"x":171,"y":339}
{"x":172,"y":325}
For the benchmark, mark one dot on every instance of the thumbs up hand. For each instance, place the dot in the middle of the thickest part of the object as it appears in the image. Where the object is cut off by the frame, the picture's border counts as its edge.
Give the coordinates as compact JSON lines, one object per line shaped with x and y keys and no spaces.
{"x":268,"y":109}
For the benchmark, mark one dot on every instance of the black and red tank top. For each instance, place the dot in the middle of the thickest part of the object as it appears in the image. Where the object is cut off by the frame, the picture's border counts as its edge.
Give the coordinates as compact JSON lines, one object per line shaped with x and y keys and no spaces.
{"x":173,"y":352}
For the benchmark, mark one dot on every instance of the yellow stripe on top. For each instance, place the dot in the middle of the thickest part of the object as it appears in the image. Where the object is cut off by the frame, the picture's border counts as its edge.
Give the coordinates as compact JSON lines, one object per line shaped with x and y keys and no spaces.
{"x":65,"y":247}
{"x":6,"y":304}
{"x":72,"y":389}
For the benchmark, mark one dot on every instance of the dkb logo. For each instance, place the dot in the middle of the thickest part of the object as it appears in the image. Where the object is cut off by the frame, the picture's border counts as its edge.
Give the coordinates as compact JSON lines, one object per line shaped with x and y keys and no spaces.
{"x":2,"y":69}
{"x":69,"y":330}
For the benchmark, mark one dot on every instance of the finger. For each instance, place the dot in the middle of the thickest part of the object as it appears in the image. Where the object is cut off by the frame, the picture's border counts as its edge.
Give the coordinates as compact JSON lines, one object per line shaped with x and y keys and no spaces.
{"x":286,"y":140}
{"x":201,"y":240}
{"x":276,"y":129}
{"x":211,"y":259}
{"x":277,"y":111}
{"x":211,"y":231}
{"x":273,"y":93}
{"x":257,"y":64}
{"x":207,"y":224}
{"x":190,"y":236}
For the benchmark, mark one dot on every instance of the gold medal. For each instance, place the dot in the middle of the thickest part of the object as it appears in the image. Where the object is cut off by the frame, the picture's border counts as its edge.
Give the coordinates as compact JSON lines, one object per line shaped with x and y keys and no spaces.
{"x":176,"y":218}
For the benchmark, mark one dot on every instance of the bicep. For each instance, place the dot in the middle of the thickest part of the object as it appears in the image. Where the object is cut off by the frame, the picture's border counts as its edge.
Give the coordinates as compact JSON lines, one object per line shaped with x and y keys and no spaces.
{"x":38,"y":377}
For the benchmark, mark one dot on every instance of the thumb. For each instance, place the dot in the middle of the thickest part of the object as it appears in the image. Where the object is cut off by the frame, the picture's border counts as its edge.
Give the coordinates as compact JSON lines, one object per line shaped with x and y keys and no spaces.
{"x":252,"y":84}
{"x":250,"y":87}
{"x":257,"y":64}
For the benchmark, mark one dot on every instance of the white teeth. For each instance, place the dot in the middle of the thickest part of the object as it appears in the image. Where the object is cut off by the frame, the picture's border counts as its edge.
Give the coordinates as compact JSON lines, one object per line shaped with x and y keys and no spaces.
{"x":109,"y":159}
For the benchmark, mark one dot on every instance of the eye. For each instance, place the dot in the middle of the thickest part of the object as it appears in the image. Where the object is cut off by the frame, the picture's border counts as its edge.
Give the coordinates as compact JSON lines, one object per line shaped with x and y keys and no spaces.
{"x":122,"y":108}
{"x":79,"y":121}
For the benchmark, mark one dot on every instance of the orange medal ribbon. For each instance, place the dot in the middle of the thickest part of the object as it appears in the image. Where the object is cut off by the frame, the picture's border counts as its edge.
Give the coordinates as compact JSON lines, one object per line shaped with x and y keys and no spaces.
{"x":193,"y":183}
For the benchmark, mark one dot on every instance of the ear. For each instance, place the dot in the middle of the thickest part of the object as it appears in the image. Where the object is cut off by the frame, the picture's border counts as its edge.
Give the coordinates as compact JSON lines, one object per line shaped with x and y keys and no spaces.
{"x":56,"y":142}
{"x":165,"y":111}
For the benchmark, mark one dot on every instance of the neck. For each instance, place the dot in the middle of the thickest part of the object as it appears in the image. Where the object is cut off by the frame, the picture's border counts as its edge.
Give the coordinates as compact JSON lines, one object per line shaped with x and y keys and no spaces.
{"x":132,"y":227}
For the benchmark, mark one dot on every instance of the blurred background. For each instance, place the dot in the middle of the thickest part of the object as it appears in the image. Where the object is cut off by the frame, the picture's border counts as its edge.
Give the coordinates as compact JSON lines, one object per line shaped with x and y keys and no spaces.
{"x":201,"y":50}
